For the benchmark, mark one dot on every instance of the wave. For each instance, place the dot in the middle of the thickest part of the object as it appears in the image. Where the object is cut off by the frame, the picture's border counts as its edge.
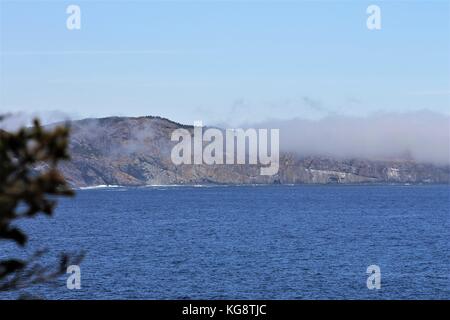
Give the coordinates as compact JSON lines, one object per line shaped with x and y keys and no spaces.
{"x":101,"y":186}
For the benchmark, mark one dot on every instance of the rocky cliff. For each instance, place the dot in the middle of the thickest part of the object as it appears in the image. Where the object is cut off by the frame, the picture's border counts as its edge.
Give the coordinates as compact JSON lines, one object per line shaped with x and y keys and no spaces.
{"x":136,"y":152}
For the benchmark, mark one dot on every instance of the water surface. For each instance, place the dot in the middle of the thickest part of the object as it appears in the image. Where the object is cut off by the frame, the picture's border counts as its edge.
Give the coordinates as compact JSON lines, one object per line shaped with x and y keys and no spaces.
{"x":250,"y":242}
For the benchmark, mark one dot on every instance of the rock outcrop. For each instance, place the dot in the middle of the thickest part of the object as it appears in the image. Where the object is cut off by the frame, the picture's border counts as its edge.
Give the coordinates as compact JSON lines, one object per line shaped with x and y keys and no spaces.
{"x":136,"y":152}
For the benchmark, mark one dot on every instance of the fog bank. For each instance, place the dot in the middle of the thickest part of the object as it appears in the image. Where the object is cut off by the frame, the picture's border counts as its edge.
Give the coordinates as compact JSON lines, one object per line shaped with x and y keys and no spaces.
{"x":423,"y":136}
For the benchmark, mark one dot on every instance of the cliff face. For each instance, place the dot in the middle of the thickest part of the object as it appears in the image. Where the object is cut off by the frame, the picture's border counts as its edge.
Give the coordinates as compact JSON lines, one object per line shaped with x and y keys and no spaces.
{"x":136,"y":151}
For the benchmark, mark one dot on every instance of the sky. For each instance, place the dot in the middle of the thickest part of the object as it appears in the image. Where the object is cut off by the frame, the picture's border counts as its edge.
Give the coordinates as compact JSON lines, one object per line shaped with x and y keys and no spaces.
{"x":224,"y":61}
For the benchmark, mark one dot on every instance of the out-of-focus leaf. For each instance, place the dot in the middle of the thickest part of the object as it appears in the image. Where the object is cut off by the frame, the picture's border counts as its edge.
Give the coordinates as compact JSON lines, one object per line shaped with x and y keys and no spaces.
{"x":14,"y":234}
{"x":9,"y":266}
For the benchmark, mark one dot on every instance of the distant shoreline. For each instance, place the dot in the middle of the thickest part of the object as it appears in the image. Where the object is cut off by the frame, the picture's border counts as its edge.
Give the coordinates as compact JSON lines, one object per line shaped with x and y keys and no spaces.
{"x":103,"y":187}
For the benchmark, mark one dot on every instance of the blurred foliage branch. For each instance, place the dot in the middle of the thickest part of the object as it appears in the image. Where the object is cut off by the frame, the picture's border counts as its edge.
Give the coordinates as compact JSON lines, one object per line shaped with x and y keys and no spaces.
{"x":29,"y":185}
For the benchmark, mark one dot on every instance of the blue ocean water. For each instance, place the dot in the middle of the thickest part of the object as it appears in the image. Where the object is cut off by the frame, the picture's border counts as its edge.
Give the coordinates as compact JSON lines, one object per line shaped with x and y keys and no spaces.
{"x":251,"y":242}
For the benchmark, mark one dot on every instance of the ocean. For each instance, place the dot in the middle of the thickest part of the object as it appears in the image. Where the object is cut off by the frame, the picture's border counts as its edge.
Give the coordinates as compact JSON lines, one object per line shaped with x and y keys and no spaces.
{"x":249,"y":242}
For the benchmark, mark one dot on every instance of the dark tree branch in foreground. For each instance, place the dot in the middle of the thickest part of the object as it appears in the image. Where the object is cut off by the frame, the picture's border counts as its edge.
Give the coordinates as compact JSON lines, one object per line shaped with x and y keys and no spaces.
{"x":26,"y":193}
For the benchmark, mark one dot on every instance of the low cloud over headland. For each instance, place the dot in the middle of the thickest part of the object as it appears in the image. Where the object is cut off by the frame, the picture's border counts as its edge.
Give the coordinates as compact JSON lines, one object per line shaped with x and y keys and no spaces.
{"x":423,"y":136}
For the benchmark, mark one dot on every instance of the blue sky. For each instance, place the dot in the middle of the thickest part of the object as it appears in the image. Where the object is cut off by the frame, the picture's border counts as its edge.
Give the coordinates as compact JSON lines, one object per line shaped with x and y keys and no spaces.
{"x":224,"y":61}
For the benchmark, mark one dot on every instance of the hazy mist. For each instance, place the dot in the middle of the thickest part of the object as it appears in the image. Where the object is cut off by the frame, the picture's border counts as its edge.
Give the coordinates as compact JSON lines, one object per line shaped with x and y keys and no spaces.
{"x":423,"y":136}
